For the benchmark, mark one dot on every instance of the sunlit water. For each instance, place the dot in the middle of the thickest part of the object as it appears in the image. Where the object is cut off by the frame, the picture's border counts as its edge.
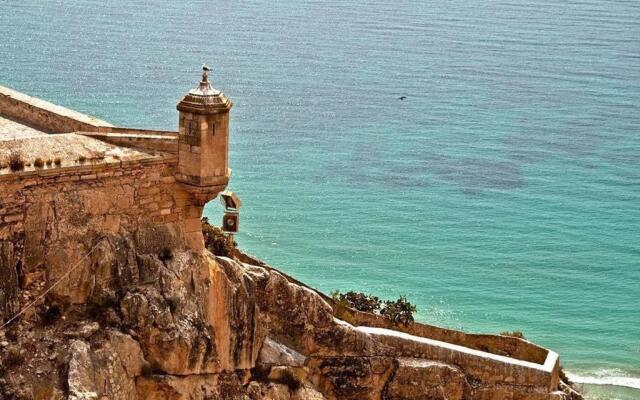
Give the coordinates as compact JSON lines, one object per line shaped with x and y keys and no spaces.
{"x":502,"y":194}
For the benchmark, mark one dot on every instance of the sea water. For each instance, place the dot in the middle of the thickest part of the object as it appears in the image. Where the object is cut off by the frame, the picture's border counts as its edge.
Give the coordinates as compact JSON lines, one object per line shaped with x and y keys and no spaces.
{"x":502,"y":194}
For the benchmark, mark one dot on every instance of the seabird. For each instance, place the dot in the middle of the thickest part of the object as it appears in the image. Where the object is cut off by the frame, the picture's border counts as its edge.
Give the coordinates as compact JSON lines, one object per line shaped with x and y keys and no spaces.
{"x":402,"y":97}
{"x":205,"y":67}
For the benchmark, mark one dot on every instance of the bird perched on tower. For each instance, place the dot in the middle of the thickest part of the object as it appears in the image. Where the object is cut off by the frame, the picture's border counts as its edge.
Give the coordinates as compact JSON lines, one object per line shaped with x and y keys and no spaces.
{"x":205,"y":72}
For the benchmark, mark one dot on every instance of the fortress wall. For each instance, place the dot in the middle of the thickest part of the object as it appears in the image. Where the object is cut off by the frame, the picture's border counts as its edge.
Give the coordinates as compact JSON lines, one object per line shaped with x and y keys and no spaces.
{"x":46,"y":116}
{"x":490,"y":369}
{"x":496,"y":344}
{"x":55,"y":217}
{"x":149,"y":140}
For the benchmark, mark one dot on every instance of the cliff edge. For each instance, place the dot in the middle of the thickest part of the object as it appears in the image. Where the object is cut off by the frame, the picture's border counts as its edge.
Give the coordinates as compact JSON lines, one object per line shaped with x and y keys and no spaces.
{"x":157,"y":321}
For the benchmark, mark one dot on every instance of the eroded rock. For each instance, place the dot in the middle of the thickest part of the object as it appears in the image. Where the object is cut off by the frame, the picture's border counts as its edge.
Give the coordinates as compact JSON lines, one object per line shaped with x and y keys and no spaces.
{"x":184,"y":324}
{"x":274,"y":353}
{"x":82,"y":376}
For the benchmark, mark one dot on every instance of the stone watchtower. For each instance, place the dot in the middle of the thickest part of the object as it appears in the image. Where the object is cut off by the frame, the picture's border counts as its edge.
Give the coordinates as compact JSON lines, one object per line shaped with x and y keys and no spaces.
{"x":204,"y":141}
{"x":203,"y":152}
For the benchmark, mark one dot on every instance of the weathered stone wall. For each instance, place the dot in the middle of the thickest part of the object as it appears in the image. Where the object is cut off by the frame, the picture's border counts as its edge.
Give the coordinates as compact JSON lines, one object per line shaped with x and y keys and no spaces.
{"x":46,"y":116}
{"x":58,"y":214}
{"x":163,"y":141}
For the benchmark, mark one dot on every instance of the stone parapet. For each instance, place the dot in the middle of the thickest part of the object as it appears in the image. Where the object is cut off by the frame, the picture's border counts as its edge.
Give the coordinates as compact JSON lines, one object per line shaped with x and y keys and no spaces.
{"x":46,"y":116}
{"x":497,"y":344}
{"x":482,"y":366}
{"x":148,"y":140}
{"x":507,"y":346}
{"x":44,"y":210}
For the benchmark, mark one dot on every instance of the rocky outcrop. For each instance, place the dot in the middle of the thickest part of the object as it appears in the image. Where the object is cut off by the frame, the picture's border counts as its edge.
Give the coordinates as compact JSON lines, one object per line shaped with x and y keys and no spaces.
{"x":180,"y":324}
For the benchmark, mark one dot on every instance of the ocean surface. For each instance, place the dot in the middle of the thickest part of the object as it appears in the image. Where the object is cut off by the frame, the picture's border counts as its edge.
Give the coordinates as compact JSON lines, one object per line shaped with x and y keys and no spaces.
{"x":502,"y":194}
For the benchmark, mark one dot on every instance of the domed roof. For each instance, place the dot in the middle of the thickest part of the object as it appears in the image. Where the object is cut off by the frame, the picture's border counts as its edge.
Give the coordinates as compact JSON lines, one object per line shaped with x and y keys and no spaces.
{"x":204,"y":99}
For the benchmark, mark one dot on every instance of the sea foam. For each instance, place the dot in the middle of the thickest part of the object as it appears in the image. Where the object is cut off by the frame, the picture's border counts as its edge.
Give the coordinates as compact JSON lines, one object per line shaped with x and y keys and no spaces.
{"x":602,"y":379}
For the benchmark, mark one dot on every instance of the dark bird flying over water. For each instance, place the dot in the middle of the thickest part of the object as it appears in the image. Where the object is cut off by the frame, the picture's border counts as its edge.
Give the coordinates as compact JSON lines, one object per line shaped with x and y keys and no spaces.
{"x":402,"y":97}
{"x":205,"y":67}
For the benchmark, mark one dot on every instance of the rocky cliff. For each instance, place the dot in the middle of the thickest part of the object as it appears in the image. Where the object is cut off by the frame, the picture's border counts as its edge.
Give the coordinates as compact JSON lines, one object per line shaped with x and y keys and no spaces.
{"x":160,"y":322}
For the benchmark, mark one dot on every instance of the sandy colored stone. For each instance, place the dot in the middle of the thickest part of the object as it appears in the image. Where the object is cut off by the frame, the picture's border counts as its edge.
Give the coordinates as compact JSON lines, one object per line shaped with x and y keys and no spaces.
{"x":128,"y":351}
{"x":274,"y":353}
{"x":81,"y":379}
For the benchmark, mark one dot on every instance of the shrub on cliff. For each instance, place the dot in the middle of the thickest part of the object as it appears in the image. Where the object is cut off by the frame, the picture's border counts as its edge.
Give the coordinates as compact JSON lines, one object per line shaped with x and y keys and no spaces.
{"x":359,"y":301}
{"x":49,"y":314}
{"x":216,"y":240}
{"x":399,"y":311}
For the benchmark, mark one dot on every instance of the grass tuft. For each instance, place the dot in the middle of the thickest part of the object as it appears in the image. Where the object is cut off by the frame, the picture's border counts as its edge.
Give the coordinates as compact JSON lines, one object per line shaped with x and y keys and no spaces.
{"x":217,"y":241}
{"x":16,"y":162}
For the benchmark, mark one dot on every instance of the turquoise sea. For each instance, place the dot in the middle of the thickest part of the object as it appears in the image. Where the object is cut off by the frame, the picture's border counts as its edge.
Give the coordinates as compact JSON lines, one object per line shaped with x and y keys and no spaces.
{"x":502,"y":194}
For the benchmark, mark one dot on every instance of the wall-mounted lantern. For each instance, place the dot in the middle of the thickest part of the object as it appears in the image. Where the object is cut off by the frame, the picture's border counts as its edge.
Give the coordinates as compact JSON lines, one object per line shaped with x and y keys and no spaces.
{"x":231,"y":217}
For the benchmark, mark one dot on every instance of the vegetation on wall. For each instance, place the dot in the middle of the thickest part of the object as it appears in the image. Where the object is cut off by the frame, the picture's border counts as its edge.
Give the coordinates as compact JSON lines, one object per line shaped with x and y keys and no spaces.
{"x":216,"y":240}
{"x":16,"y":162}
{"x":399,"y":311}
{"x":359,"y":301}
{"x":515,"y":334}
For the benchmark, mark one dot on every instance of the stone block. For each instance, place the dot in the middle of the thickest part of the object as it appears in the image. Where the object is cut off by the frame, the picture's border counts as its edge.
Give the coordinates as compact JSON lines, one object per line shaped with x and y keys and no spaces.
{"x":13,"y":218}
{"x":416,"y":379}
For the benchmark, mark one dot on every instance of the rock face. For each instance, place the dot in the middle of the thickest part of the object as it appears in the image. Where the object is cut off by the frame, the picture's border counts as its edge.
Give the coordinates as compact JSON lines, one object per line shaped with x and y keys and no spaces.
{"x":184,"y":324}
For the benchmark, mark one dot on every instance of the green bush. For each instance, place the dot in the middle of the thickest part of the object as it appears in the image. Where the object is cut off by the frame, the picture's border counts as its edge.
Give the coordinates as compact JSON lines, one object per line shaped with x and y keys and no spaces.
{"x":399,"y":311}
{"x":217,"y":241}
{"x":359,"y":301}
